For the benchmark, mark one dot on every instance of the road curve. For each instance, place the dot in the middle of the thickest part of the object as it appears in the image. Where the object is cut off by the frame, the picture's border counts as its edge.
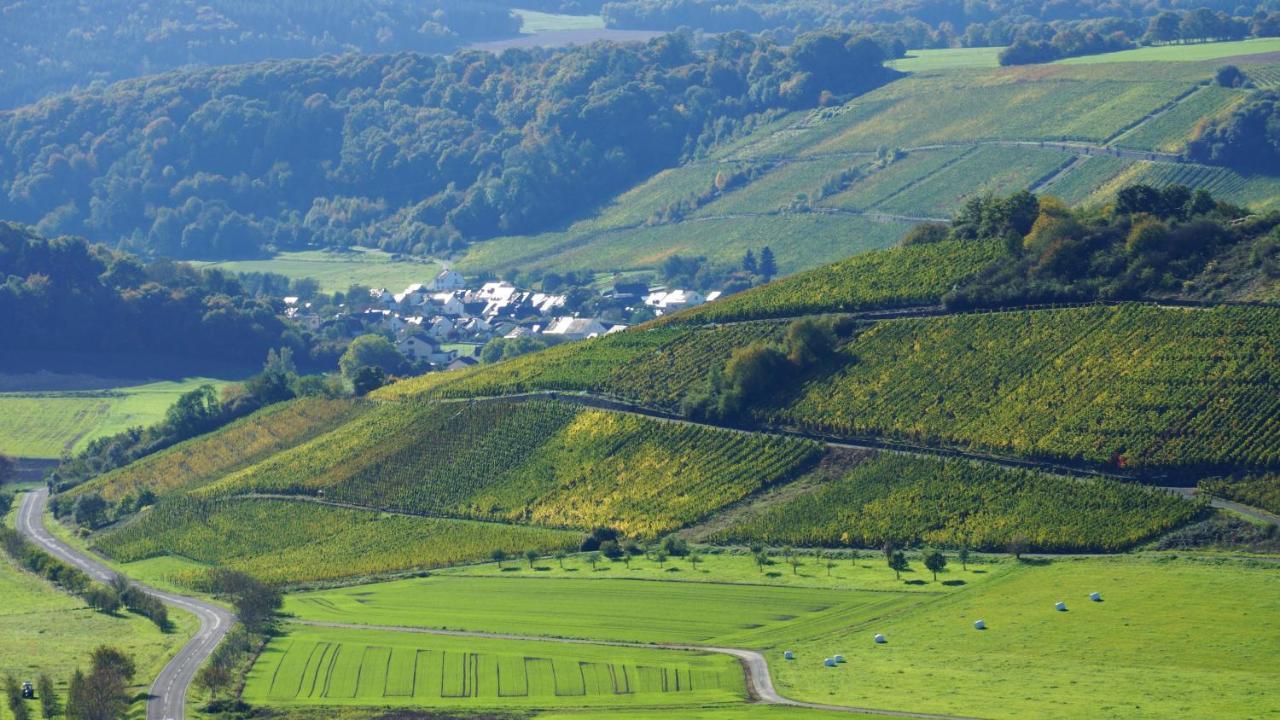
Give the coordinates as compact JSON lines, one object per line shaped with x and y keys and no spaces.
{"x":756,"y":668}
{"x":168,"y":694}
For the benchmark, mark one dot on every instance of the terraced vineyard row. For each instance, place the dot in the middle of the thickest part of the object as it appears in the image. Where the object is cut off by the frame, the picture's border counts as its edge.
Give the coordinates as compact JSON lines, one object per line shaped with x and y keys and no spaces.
{"x":294,"y":542}
{"x":1125,"y":387}
{"x":951,"y":503}
{"x":205,"y":458}
{"x":1261,"y":491}
{"x":543,"y":462}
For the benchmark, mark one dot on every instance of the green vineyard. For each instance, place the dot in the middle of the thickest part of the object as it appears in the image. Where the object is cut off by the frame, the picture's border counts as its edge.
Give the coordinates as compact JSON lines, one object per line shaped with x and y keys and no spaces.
{"x":912,"y":275}
{"x":203,"y":459}
{"x":1125,"y":387}
{"x":330,"y":666}
{"x":908,"y":500}
{"x":295,"y":542}
{"x":1262,"y":491}
{"x":544,"y":462}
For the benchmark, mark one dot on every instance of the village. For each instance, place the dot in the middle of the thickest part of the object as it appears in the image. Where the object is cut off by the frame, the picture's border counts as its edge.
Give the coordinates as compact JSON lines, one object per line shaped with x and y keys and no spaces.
{"x":444,"y":324}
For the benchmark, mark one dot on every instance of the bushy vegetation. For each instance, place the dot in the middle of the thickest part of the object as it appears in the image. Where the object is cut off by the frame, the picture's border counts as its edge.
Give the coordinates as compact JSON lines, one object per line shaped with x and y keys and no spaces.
{"x":541,"y":462}
{"x":57,"y":45}
{"x":1126,"y":387}
{"x":1262,"y":491}
{"x":406,"y":152}
{"x":904,"y":500}
{"x":195,"y":462}
{"x":1247,"y":139}
{"x":911,"y":275}
{"x":280,"y":541}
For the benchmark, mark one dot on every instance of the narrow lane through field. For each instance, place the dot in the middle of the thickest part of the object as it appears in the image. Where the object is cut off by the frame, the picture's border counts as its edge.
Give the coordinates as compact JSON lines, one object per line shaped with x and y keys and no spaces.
{"x":168,"y":694}
{"x":754,"y":665}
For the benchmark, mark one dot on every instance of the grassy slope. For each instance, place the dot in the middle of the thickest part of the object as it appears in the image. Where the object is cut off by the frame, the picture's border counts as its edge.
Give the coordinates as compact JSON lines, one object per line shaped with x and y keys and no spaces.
{"x":338,"y":271}
{"x":1173,"y":638}
{"x":1196,"y":52}
{"x":47,"y":425}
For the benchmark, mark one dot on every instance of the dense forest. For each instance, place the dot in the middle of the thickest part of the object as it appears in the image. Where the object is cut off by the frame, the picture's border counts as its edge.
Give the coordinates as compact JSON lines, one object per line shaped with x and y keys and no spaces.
{"x":940,"y":23}
{"x":67,"y":295}
{"x":407,"y":152}
{"x":54,"y":45}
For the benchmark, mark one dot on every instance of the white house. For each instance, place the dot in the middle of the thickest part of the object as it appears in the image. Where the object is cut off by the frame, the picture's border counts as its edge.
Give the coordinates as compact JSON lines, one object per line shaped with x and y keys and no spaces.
{"x":415,"y":348}
{"x":447,"y":303}
{"x":672,"y":300}
{"x":448,"y":280}
{"x":575,"y":328}
{"x":496,"y":292}
{"x":439,"y":327}
{"x":383,"y":297}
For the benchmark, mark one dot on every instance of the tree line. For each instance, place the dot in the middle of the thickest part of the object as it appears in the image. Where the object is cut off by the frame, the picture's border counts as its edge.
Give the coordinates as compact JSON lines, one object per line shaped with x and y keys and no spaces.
{"x":57,"y":45}
{"x":404,"y":151}
{"x":1248,"y":138}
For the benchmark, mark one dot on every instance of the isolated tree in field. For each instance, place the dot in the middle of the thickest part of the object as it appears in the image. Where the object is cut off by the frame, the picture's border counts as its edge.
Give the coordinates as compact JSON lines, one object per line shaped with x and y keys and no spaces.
{"x":560,"y":556}
{"x":963,"y":557}
{"x":762,"y":559}
{"x":1017,"y":546}
{"x":898,"y":563}
{"x":830,"y":563}
{"x":694,"y":559}
{"x":531,"y":556}
{"x":50,"y":708}
{"x":749,"y":263}
{"x":935,"y":561}
{"x":499,"y":556}
{"x":768,"y":266}
{"x":594,"y":559}
{"x":794,"y":561}
{"x":213,"y":677}
{"x":660,"y":557}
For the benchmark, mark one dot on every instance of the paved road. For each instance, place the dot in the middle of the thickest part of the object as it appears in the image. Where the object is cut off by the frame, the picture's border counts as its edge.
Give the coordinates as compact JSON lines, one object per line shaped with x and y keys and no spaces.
{"x":756,"y":668}
{"x":169,"y":691}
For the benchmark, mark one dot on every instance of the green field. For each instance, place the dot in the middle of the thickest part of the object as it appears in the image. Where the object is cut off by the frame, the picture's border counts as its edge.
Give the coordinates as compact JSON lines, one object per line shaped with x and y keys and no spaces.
{"x":332,"y":666}
{"x":51,"y":424}
{"x":537,"y":22}
{"x":1172,"y":638}
{"x":948,"y":59}
{"x":44,"y":630}
{"x":1194,"y":52}
{"x":338,"y":271}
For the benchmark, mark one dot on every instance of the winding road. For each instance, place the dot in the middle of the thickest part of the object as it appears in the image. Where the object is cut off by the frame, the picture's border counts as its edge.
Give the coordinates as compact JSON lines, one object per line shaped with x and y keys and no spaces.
{"x":168,"y":694}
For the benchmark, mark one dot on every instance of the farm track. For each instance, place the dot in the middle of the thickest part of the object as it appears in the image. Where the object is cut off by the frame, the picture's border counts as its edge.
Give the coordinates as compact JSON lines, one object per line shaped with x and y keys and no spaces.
{"x":754,"y":665}
{"x":167,"y":698}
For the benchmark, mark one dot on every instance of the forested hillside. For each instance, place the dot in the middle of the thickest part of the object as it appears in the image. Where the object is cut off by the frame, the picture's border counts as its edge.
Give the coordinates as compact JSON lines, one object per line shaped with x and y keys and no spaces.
{"x":54,"y":45}
{"x":407,"y":152}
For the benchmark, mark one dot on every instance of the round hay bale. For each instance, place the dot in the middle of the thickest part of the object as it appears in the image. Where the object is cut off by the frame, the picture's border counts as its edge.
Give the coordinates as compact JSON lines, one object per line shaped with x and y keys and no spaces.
{"x":829,"y":662}
{"x":880,"y":639}
{"x":1095,"y":596}
{"x":1060,"y":606}
{"x":788,"y":655}
{"x":838,"y":658}
{"x":980,"y":625}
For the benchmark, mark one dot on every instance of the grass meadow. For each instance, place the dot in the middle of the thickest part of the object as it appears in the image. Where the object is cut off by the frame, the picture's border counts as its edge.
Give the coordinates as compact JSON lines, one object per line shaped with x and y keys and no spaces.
{"x":1194,"y":52}
{"x":338,"y":271}
{"x":333,"y":666}
{"x":51,"y":424}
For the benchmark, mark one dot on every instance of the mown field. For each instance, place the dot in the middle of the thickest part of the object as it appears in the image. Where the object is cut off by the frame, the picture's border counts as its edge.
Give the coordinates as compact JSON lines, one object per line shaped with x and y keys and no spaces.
{"x":206,"y":457}
{"x":546,"y":463}
{"x":294,"y":542}
{"x":51,"y":424}
{"x":951,"y":503}
{"x":1193,"y":52}
{"x":1171,"y":638}
{"x":334,"y":666}
{"x":335,"y":272}
{"x":45,"y":630}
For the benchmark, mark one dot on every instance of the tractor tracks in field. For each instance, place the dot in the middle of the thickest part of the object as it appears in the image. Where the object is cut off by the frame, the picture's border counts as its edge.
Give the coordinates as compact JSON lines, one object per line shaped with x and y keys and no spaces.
{"x":754,"y":665}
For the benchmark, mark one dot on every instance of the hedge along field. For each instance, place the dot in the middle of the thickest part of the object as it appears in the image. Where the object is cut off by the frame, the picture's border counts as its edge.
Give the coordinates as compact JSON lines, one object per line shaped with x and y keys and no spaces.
{"x":296,"y":541}
{"x":1125,"y":387}
{"x":951,"y":503}
{"x":912,"y":275}
{"x":650,"y":611}
{"x":202,"y":459}
{"x":1262,"y":491}
{"x":543,"y":462}
{"x":332,"y":666}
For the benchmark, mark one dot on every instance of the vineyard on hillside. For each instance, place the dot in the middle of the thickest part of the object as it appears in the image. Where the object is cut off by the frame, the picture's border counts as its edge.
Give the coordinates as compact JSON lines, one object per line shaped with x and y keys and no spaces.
{"x":1261,"y":491}
{"x":207,"y":457}
{"x":909,"y":500}
{"x":1125,"y":387}
{"x":543,"y":462}
{"x":912,"y":275}
{"x":295,"y":542}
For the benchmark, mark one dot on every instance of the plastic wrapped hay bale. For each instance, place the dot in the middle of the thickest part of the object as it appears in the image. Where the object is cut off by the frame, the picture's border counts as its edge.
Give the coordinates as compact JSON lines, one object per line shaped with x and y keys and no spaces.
{"x":880,"y":639}
{"x":838,"y":658}
{"x":1095,"y":596}
{"x":980,"y":625}
{"x":1060,"y":606}
{"x":829,"y":662}
{"x":788,"y":655}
